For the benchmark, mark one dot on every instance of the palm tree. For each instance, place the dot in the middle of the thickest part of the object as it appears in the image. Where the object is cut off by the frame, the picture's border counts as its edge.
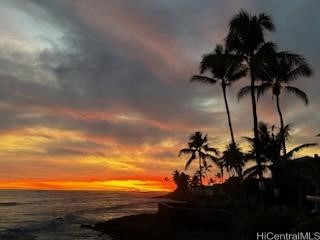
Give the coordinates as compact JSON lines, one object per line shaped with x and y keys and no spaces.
{"x":198,"y":147}
{"x":206,"y":168}
{"x":270,"y":146}
{"x":277,"y":75}
{"x":181,"y":180}
{"x":234,"y":160}
{"x":219,"y":163}
{"x":194,"y":181}
{"x":225,"y":69}
{"x":246,"y":38}
{"x":176,"y":177}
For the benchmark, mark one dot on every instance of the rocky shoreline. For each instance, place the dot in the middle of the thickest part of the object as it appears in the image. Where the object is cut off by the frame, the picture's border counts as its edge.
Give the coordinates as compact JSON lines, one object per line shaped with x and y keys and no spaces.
{"x":153,"y":227}
{"x":240,"y":225}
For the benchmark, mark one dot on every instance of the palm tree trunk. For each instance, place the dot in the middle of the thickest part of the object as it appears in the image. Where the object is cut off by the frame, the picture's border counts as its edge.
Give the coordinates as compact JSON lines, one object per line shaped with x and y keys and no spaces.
{"x":256,"y":135}
{"x":276,"y":186}
{"x":281,"y":126}
{"x":228,"y":113}
{"x":255,"y":123}
{"x":239,"y":172}
{"x":200,"y":171}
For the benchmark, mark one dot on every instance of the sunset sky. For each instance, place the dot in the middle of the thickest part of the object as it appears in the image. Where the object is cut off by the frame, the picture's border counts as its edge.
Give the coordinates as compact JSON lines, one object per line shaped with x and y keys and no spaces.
{"x":95,"y":94}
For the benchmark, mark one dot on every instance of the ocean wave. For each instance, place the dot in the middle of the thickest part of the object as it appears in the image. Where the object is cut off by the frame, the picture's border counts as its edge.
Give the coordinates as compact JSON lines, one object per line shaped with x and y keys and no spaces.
{"x":16,"y":234}
{"x":114,"y":207}
{"x":29,"y":231}
{"x":64,"y":218}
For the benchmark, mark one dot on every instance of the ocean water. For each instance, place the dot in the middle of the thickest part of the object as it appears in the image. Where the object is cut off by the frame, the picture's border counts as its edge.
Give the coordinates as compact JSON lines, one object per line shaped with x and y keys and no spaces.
{"x":58,"y":215}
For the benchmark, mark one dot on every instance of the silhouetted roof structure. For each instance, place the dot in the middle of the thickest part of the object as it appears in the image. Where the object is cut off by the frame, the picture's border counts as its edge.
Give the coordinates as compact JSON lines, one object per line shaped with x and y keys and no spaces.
{"x":305,"y":159}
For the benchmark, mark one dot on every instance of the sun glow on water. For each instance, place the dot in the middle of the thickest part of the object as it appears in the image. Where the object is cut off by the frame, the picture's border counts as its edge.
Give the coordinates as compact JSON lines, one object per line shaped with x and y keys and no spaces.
{"x":108,"y":185}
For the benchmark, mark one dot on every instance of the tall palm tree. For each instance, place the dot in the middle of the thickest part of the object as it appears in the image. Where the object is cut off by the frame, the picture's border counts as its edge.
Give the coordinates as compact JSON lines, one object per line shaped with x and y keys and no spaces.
{"x":225,"y":69}
{"x":277,"y":74}
{"x":198,"y":147}
{"x":246,"y":38}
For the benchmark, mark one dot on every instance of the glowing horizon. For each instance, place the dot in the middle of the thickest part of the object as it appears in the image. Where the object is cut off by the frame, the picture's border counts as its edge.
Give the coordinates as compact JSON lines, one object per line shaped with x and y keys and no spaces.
{"x":108,"y":185}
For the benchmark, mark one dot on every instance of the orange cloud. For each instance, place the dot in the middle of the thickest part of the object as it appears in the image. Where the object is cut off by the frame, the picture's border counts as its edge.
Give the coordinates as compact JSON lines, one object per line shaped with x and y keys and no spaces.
{"x":107,"y":116}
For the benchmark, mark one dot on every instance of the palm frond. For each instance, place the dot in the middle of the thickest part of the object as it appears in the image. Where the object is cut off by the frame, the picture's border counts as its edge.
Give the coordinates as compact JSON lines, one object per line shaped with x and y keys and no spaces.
{"x":299,"y":93}
{"x":193,"y":157}
{"x":209,"y":61}
{"x":285,"y":133}
{"x":265,"y":53}
{"x":249,"y":156}
{"x":291,"y":59}
{"x":299,"y":148}
{"x":207,"y":148}
{"x":237,"y":75}
{"x":266,"y":21}
{"x":244,"y":92}
{"x":211,"y":158}
{"x":300,"y":71}
{"x":249,"y":139}
{"x":219,"y":49}
{"x":185,"y":151}
{"x":203,"y":79}
{"x":251,"y":172}
{"x":262,"y":88}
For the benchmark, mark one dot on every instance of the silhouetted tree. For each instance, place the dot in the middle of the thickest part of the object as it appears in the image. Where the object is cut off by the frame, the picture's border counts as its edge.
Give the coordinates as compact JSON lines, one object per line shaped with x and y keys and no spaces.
{"x":206,"y":168}
{"x":176,"y":177}
{"x":225,"y":68}
{"x":270,"y":145}
{"x":219,"y":164}
{"x":278,"y":73}
{"x":194,"y":181}
{"x":200,"y":175}
{"x":199,"y":148}
{"x":234,"y":160}
{"x":246,"y":38}
{"x":181,"y":180}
